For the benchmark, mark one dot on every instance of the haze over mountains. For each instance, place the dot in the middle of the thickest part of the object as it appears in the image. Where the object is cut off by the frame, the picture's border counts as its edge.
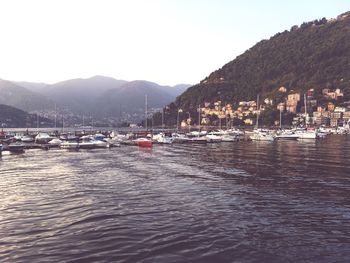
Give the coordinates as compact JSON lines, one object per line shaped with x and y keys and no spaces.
{"x":98,"y":95}
{"x":17,"y":96}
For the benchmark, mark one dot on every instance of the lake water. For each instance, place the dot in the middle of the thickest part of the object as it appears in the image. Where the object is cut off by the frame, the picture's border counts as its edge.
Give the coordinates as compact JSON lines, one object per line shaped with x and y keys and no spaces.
{"x":283,"y":201}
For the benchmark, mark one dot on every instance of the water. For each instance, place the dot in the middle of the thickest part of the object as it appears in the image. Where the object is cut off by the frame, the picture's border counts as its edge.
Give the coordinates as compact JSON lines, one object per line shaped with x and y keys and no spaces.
{"x":229,"y":202}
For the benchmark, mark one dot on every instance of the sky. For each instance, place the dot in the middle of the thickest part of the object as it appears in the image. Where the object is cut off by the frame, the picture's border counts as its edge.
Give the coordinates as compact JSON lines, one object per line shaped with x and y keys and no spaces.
{"x":165,"y":41}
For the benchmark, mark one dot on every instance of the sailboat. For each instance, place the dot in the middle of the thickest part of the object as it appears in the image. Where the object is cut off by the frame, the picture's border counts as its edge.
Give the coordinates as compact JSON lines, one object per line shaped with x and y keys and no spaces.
{"x":306,"y":133}
{"x":144,"y":141}
{"x":260,"y":134}
{"x":198,"y":138}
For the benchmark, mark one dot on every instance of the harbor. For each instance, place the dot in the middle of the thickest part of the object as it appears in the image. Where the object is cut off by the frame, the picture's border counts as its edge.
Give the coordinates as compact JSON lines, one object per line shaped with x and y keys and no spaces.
{"x":17,"y":141}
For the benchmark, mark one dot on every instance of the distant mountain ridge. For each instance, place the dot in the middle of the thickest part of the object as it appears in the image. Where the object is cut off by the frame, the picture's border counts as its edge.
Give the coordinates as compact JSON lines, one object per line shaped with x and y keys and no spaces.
{"x":130,"y":97}
{"x":22,"y":98}
{"x":98,"y":95}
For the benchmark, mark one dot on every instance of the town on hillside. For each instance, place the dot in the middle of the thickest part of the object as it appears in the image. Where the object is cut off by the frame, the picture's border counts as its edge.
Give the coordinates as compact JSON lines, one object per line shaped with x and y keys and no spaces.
{"x":283,"y":107}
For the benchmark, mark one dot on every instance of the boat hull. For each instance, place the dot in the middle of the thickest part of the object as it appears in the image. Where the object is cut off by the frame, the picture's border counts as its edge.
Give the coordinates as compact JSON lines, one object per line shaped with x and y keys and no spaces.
{"x":69,"y":145}
{"x":15,"y":148}
{"x":144,"y":143}
{"x":287,"y":137}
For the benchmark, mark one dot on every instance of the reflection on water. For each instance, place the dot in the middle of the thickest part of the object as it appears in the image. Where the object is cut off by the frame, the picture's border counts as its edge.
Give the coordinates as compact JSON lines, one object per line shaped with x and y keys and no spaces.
{"x":244,"y":202}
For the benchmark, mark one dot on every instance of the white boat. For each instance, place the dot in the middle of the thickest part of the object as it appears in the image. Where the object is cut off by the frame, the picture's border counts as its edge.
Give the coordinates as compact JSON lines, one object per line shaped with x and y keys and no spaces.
{"x":229,"y":138}
{"x":100,"y":144}
{"x":69,"y":145}
{"x":262,"y":135}
{"x":218,"y":132}
{"x":113,"y":142}
{"x":196,"y":133}
{"x":99,"y":137}
{"x":68,"y":137}
{"x":180,"y":138}
{"x":117,"y":137}
{"x":27,"y":138}
{"x":89,"y":142}
{"x":199,"y":140}
{"x":213,"y":138}
{"x":286,"y":135}
{"x":235,"y":132}
{"x":55,"y":142}
{"x":162,"y":139}
{"x":87,"y":145}
{"x":342,"y":130}
{"x":307,"y":134}
{"x":43,"y":137}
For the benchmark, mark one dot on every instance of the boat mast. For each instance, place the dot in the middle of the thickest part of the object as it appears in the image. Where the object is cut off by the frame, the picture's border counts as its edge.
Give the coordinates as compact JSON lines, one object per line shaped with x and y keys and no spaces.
{"x":305,"y":109}
{"x":258,"y":112}
{"x":177,"y":120}
{"x":146,"y":112}
{"x":62,"y":124}
{"x":163,"y":120}
{"x":37,"y":122}
{"x":199,"y":119}
{"x":280,"y":118}
{"x":92,"y":123}
{"x":55,"y":116}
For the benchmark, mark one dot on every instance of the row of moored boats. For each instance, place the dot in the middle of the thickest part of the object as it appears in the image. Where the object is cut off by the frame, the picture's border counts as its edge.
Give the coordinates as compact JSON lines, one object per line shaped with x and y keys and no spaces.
{"x":18,"y":142}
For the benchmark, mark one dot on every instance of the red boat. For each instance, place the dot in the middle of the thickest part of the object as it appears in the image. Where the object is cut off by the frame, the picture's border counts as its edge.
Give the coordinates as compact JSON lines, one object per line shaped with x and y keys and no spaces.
{"x":2,"y":134}
{"x":143,"y":142}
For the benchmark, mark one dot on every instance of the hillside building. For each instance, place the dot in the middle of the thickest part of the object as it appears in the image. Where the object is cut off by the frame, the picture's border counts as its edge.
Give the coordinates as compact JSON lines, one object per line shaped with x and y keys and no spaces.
{"x":282,"y":89}
{"x":292,"y":102}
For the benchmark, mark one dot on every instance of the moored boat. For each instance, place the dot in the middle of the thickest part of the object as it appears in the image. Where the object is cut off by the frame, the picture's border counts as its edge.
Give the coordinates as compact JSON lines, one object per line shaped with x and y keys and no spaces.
{"x":143,"y":142}
{"x":69,"y":145}
{"x":229,"y":138}
{"x":100,"y":144}
{"x":68,"y":137}
{"x":261,"y":135}
{"x":162,"y":139}
{"x":43,"y":137}
{"x":55,"y":142}
{"x":180,"y":138}
{"x":16,"y":147}
{"x":286,"y":135}
{"x":27,"y":138}
{"x":213,"y":138}
{"x":307,"y":134}
{"x":199,"y":140}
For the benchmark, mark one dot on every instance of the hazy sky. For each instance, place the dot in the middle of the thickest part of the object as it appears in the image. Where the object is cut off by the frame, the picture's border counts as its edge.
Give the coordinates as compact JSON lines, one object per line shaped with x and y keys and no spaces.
{"x":165,"y":41}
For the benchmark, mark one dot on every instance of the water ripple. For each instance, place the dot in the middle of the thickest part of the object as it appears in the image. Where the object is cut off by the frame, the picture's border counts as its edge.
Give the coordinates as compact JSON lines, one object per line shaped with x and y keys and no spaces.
{"x":239,"y":202}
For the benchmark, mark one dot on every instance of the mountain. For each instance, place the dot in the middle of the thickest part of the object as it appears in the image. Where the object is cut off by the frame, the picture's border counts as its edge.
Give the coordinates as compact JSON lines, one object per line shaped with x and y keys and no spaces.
{"x":22,"y":98}
{"x":12,"y":117}
{"x":96,"y":96}
{"x":80,"y":94}
{"x":100,"y":95}
{"x":130,"y":97}
{"x":313,"y":55}
{"x":178,"y":89}
{"x":32,"y":86}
